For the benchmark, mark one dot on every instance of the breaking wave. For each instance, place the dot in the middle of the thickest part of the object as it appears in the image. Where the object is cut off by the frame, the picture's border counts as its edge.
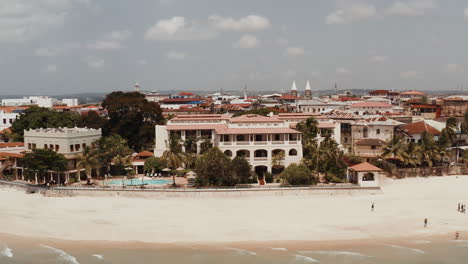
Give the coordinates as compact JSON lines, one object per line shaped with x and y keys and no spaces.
{"x":242,"y":252}
{"x":304,"y":259}
{"x":98,"y":256}
{"x":6,"y":252}
{"x":415,"y":250}
{"x":336,"y":253}
{"x":64,"y":255}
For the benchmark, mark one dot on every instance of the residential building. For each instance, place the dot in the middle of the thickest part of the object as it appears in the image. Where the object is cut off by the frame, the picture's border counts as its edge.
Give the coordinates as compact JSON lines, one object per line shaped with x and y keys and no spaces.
{"x":414,"y":131}
{"x":41,"y":101}
{"x":365,"y":175}
{"x":371,"y":108}
{"x":257,"y":138}
{"x":455,"y":106}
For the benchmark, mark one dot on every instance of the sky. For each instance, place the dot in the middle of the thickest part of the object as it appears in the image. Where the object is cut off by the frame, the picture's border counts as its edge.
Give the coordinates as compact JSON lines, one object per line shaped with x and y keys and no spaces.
{"x":77,"y":46}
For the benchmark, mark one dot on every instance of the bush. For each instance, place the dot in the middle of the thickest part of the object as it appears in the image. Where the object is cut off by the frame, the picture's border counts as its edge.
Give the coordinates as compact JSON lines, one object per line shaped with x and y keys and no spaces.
{"x":298,"y":175}
{"x":269,"y":177}
{"x":355,"y":159}
{"x":330,"y":177}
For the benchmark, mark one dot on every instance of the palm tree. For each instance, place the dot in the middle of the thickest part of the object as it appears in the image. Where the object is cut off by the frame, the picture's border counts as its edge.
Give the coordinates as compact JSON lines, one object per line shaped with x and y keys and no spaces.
{"x":395,"y":148}
{"x":88,"y":161}
{"x":412,"y":155}
{"x":429,"y":151}
{"x":173,"y":157}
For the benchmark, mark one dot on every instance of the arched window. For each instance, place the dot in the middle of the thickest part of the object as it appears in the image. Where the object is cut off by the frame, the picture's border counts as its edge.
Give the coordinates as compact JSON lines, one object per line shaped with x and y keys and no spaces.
{"x":243,"y":153}
{"x":261,"y":153}
{"x":368,"y":177}
{"x":293,"y":152}
{"x":228,"y":153}
{"x":365,"y":132}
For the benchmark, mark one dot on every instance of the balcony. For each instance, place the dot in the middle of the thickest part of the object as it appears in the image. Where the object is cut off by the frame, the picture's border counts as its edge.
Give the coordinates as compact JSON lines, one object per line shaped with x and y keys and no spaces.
{"x":260,"y":158}
{"x":259,"y":143}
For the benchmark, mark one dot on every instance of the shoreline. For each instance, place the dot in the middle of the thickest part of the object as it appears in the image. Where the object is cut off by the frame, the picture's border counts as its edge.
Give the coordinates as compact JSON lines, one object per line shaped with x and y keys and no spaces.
{"x":249,"y":221}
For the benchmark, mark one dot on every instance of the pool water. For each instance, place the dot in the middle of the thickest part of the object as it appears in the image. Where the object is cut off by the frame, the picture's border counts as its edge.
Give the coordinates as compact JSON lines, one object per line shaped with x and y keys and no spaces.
{"x":138,"y":182}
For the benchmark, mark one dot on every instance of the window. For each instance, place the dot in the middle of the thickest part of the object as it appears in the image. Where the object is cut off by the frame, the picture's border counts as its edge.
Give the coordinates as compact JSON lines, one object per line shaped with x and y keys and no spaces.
{"x":365,"y":132}
{"x":72,"y":148}
{"x":228,"y":153}
{"x":57,"y":148}
{"x":368,"y":177}
{"x":51,"y":146}
{"x":378,"y":131}
{"x":4,"y":120}
{"x":84,"y":145}
{"x":45,"y":146}
{"x":277,"y":137}
{"x":346,"y":140}
{"x":77,"y":147}
{"x":34,"y":146}
{"x":293,"y":152}
{"x":29,"y":146}
{"x":373,"y":147}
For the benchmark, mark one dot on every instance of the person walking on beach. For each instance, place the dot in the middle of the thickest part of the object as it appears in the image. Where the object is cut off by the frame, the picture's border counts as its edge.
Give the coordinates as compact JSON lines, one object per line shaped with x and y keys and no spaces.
{"x":372,"y":207}
{"x":425,"y":222}
{"x":457,"y":235}
{"x":459,"y":207}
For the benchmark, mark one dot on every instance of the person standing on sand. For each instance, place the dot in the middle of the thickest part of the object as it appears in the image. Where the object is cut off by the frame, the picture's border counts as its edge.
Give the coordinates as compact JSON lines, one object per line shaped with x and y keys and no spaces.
{"x":459,"y":207}
{"x":372,"y":207}
{"x":425,"y":222}
{"x":457,"y":234}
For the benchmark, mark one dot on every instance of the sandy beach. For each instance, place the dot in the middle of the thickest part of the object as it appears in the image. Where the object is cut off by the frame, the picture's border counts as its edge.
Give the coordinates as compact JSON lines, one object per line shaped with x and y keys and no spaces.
{"x":399,"y":213}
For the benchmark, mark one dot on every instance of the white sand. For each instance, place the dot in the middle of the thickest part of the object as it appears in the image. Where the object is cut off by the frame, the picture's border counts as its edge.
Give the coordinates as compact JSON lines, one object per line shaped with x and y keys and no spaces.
{"x":400,"y":212}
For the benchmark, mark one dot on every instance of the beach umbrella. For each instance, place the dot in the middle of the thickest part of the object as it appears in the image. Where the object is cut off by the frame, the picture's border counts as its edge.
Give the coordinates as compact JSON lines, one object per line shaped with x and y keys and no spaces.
{"x":166,"y":169}
{"x":180,"y":169}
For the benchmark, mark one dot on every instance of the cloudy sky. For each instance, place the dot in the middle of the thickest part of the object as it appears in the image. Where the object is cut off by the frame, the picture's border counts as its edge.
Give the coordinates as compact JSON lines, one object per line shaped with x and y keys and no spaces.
{"x":70,"y":46}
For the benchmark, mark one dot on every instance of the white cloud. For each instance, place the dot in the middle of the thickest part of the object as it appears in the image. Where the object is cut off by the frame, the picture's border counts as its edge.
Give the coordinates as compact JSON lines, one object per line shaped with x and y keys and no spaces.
{"x":248,"y":23}
{"x":294,"y":51}
{"x":174,"y":55}
{"x":412,"y":74}
{"x":51,"y":68}
{"x":111,"y":41}
{"x":454,"y":68}
{"x":46,"y":52}
{"x":94,"y":62}
{"x":343,"y":71}
{"x":411,"y":7}
{"x":177,"y":28}
{"x":247,"y":41}
{"x":350,"y":13}
{"x":379,"y":58}
{"x":21,"y":20}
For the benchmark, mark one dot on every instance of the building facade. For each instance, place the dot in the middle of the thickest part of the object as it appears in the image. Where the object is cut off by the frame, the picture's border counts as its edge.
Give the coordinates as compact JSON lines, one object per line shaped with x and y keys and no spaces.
{"x":257,"y":138}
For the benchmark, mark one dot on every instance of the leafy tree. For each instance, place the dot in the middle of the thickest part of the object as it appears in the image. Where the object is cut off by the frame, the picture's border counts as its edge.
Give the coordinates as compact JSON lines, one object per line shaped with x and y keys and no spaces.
{"x":153,"y":164}
{"x":190,"y":144}
{"x":39,"y":117}
{"x":205,"y":145}
{"x":92,"y":119}
{"x":40,"y":161}
{"x":277,"y":159}
{"x":89,"y":161}
{"x":413,"y":155}
{"x":429,"y":150}
{"x":395,"y":148}
{"x":110,"y":147}
{"x":242,"y":169}
{"x":298,"y":175}
{"x":173,"y":157}
{"x":214,"y":168}
{"x":133,"y":117}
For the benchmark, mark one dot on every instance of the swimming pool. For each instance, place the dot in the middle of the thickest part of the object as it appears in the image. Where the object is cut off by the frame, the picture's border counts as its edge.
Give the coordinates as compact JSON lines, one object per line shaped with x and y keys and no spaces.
{"x":138,"y":182}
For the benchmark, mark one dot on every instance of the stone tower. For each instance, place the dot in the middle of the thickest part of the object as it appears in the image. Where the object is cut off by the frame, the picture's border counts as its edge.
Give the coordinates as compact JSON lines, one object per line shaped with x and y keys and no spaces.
{"x":294,"y":89}
{"x":308,"y":91}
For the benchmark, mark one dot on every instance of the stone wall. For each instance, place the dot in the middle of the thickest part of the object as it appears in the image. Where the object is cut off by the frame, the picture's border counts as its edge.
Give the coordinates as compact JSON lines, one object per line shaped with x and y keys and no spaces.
{"x":425,"y":172}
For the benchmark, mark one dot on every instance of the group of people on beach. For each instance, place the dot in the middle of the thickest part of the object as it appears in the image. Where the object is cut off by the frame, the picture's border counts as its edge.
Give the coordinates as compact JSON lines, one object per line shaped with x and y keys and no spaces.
{"x":462,"y":208}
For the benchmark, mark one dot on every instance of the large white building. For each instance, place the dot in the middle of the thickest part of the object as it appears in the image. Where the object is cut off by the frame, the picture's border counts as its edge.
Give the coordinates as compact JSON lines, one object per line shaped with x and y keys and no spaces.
{"x":7,"y":118}
{"x":257,"y":138}
{"x":41,"y":101}
{"x":67,"y":141}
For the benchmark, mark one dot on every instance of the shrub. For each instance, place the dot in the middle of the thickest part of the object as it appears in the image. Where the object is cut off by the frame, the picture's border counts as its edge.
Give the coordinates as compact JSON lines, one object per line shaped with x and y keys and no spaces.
{"x":298,"y":175}
{"x":269,"y":177}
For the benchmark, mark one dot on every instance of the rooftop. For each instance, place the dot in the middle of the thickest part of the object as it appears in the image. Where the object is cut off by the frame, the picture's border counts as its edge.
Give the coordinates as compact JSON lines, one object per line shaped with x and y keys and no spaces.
{"x":371,"y":104}
{"x":363,"y":167}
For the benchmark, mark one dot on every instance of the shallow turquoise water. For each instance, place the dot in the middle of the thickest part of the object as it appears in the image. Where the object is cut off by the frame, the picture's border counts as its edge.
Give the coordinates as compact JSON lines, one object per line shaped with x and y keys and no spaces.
{"x":138,"y":182}
{"x":427,"y":252}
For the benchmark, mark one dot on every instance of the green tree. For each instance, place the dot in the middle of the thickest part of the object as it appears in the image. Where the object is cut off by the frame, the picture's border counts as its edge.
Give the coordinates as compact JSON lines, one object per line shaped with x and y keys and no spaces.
{"x":39,"y":117}
{"x":110,"y":147}
{"x":214,"y":168}
{"x":92,"y":119}
{"x":242,"y":169}
{"x":132,"y":117}
{"x":153,"y":164}
{"x":413,"y":155}
{"x":429,"y":150}
{"x":205,"y":145}
{"x":89,"y":161}
{"x":395,"y":148}
{"x":38,"y":162}
{"x":296,"y":174}
{"x":173,"y":157}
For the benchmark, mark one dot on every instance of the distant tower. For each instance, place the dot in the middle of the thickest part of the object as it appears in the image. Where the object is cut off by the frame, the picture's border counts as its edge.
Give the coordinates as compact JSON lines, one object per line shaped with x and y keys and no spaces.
{"x":294,"y":89}
{"x":336,"y":88}
{"x":308,"y":91}
{"x":245,"y":92}
{"x":137,"y":87}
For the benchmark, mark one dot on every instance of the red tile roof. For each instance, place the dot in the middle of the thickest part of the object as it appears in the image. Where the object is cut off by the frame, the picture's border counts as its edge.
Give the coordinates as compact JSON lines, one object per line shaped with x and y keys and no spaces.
{"x":370,"y":142}
{"x":325,"y":125}
{"x":11,"y":144}
{"x":255,"y":119}
{"x":371,"y":104}
{"x":412,"y":93}
{"x":424,"y":106}
{"x":185,"y":94}
{"x":235,"y":131}
{"x":145,"y":154}
{"x":10,"y":109}
{"x":419,"y":128}
{"x":363,"y":167}
{"x":348,"y":98}
{"x":10,"y":155}
{"x":288,"y":97}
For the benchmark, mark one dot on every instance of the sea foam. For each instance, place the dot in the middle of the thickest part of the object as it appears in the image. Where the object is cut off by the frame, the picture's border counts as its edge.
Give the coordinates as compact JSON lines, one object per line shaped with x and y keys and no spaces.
{"x":64,"y":255}
{"x":242,"y":252}
{"x":6,"y":252}
{"x":335,"y":253}
{"x":304,"y":259}
{"x":415,"y":250}
{"x":98,"y":256}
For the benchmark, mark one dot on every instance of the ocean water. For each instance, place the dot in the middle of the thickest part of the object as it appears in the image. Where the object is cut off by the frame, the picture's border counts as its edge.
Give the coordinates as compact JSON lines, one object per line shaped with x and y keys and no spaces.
{"x":413,"y":252}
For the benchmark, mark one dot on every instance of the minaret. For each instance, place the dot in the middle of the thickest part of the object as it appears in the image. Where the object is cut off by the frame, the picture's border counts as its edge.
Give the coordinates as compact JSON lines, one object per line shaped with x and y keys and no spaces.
{"x":137,"y":87}
{"x":245,"y":92}
{"x":308,"y":91}
{"x":294,"y":89}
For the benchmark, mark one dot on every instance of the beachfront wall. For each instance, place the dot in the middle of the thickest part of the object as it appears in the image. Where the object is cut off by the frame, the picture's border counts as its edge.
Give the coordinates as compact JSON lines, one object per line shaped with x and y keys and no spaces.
{"x":368,"y":179}
{"x":426,"y":172}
